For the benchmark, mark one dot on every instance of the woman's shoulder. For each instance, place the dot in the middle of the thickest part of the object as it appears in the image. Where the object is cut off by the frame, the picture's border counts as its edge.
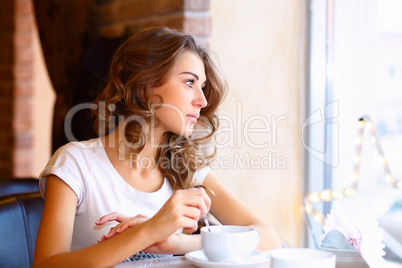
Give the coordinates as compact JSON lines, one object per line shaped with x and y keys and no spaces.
{"x":200,"y":174}
{"x":80,"y":147}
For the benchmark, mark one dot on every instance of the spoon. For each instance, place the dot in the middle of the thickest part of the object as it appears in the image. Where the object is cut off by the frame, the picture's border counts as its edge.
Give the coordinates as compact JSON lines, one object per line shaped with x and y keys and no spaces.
{"x":205,"y":218}
{"x":207,"y":223}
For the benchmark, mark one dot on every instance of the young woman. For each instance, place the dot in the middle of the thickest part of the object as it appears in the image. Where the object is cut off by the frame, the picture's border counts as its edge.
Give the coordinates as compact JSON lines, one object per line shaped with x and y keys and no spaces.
{"x":154,"y":116}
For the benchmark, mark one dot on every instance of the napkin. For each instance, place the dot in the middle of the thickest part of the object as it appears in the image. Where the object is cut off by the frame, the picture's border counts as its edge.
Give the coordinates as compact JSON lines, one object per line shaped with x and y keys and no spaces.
{"x":361,"y":234}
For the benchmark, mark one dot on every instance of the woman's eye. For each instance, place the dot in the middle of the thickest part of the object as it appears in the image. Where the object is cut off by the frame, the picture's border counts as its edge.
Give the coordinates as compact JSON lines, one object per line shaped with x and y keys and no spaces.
{"x":190,"y":83}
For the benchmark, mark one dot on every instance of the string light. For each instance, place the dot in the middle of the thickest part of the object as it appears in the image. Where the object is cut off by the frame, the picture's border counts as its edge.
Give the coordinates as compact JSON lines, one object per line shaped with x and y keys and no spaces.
{"x":337,"y":194}
{"x":318,"y":217}
{"x":382,"y":160}
{"x":314,"y":197}
{"x":356,"y":159}
{"x":309,"y":208}
{"x":327,"y":194}
{"x":350,"y":191}
{"x":389,"y":178}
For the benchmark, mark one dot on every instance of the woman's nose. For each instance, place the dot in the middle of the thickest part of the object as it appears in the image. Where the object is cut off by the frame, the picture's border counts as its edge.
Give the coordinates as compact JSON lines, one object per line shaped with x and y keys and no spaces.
{"x":200,"y":100}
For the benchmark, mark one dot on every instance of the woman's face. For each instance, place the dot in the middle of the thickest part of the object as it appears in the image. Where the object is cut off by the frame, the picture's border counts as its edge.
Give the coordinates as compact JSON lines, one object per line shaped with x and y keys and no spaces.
{"x":183,"y":97}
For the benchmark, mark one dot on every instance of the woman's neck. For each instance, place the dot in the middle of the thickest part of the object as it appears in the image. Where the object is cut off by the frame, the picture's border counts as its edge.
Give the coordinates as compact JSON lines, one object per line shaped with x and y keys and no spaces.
{"x":144,"y":159}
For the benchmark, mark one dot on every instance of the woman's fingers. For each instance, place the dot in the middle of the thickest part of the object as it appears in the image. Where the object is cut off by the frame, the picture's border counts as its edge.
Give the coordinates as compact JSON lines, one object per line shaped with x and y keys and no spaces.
{"x":184,"y":209}
{"x":115,"y":216}
{"x":196,"y":197}
{"x":132,"y":222}
{"x":124,"y":226}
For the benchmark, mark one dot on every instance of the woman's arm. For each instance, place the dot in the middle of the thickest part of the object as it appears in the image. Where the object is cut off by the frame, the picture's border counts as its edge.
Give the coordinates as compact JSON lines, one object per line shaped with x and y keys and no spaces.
{"x":230,"y":210}
{"x":183,"y":209}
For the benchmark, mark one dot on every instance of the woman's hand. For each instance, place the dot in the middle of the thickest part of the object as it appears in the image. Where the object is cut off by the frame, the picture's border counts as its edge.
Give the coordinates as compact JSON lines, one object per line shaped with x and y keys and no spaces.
{"x":125,"y":222}
{"x":183,"y":210}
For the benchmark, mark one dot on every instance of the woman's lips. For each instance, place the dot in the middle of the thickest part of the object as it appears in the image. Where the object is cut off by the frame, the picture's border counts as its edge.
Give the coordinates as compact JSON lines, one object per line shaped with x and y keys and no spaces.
{"x":193,"y":117}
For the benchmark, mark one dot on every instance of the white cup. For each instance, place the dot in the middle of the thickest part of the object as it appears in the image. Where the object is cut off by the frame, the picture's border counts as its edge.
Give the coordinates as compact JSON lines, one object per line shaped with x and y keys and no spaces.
{"x":228,"y":243}
{"x":302,"y":258}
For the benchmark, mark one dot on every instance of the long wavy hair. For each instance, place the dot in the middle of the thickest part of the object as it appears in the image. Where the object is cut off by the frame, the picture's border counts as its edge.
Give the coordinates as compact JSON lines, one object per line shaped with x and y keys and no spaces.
{"x":144,"y":61}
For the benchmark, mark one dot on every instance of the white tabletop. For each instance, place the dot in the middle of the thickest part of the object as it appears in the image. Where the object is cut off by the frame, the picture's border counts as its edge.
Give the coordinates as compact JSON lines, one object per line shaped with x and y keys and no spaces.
{"x":165,"y":262}
{"x":182,"y":262}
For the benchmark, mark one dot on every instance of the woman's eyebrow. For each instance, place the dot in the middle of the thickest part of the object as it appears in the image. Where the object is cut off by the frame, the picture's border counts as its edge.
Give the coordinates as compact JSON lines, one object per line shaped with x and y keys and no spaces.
{"x":193,"y":74}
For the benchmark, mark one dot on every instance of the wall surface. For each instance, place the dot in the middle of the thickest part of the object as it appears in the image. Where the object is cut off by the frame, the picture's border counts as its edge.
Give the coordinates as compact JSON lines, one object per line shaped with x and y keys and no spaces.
{"x":260,"y":45}
{"x":43,"y":100}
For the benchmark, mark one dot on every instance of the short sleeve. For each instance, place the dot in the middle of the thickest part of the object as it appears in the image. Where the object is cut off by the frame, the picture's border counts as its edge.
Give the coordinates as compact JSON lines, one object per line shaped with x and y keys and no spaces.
{"x":199,"y":175}
{"x":70,"y":165}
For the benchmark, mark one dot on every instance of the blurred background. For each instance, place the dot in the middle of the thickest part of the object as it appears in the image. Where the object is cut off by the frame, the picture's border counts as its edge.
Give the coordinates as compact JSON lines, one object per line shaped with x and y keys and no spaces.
{"x":284,"y":61}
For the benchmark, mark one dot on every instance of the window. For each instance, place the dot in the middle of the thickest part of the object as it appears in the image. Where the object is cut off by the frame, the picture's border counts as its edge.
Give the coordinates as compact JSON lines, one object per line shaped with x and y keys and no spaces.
{"x":355,"y":72}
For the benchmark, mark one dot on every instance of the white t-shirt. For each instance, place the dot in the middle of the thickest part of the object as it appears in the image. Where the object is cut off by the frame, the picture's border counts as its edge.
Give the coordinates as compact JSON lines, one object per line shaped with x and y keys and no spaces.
{"x":100,"y":189}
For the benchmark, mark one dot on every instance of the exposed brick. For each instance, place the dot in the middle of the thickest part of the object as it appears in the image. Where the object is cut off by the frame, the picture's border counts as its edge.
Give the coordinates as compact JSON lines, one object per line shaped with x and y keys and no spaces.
{"x":23,"y":140}
{"x":24,"y":23}
{"x":199,"y":26}
{"x":22,"y":108}
{"x":24,"y":55}
{"x":22,"y":125}
{"x":196,"y":5}
{"x":24,"y":88}
{"x":22,"y":156}
{"x":23,"y":7}
{"x":23,"y":71}
{"x":167,"y":6}
{"x":23,"y":39}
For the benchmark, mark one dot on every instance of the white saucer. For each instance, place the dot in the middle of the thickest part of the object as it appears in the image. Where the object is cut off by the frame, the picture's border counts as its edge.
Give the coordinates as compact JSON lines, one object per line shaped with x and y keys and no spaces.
{"x":257,"y":259}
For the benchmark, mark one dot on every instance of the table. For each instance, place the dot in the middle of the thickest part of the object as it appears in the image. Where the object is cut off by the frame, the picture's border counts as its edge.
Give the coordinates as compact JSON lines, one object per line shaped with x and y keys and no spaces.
{"x":182,"y":262}
{"x":165,"y":262}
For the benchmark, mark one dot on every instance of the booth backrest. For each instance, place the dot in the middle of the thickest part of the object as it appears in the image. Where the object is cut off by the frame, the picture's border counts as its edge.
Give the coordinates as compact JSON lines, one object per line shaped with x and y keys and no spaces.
{"x":18,"y":185}
{"x":20,"y":216}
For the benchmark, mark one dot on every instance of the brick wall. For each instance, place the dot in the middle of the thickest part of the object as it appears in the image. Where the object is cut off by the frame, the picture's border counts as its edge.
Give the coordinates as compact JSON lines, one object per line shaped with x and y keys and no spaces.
{"x":16,"y":87}
{"x":114,"y":19}
{"x":119,"y":18}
